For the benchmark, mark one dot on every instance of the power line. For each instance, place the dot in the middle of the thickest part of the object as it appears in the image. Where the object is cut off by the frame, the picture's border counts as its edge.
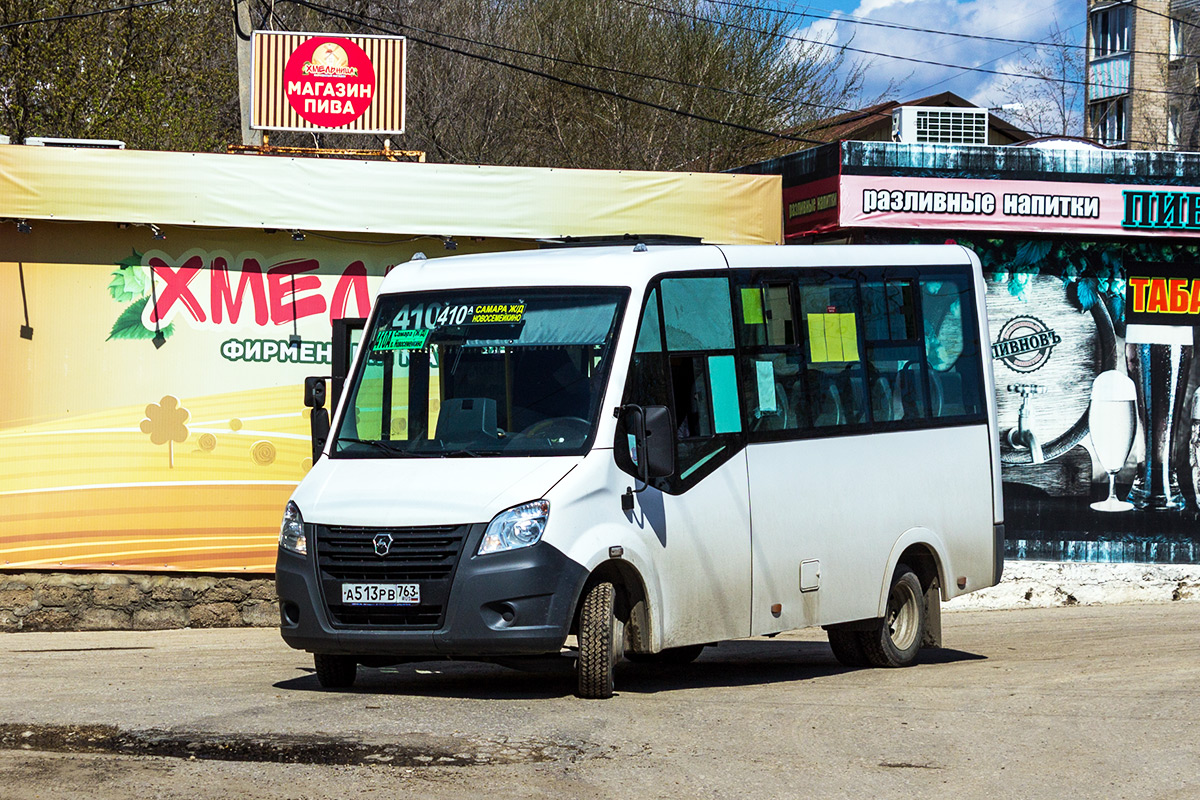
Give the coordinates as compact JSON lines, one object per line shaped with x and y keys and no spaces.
{"x":325,"y":10}
{"x":613,"y":70}
{"x":850,"y":18}
{"x":82,"y":14}
{"x":911,"y":59}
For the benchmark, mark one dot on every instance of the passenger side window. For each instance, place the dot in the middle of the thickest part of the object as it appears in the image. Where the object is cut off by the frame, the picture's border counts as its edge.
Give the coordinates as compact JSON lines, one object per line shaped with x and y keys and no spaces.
{"x":834,"y":381}
{"x":772,"y":364}
{"x":896,"y":371}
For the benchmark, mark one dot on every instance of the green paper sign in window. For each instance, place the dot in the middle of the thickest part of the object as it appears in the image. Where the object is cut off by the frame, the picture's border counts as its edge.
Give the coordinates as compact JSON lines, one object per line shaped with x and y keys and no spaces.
{"x":413,"y":339}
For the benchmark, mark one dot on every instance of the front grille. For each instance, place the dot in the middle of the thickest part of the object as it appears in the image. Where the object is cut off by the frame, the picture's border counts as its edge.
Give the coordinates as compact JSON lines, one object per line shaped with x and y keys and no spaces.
{"x":426,"y":556}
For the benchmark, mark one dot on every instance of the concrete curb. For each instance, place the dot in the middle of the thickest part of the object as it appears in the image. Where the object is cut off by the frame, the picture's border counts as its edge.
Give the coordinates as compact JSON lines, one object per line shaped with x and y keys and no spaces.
{"x":1047,"y":584}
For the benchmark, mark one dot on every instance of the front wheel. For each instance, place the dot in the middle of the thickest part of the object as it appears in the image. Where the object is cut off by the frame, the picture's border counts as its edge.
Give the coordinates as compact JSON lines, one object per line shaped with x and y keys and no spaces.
{"x":601,"y":642}
{"x":335,"y":671}
{"x":897,"y":639}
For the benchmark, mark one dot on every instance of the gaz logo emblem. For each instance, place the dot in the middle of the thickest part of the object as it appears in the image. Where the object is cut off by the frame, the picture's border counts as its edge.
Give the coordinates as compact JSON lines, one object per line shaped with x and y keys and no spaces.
{"x":383,"y":544}
{"x":1025,"y":343}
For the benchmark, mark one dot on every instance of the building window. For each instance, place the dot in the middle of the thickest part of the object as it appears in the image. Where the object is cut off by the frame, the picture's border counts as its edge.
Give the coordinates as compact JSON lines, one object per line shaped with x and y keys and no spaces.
{"x":1110,"y":120}
{"x":1173,"y":125}
{"x":1110,"y":31}
{"x":1176,"y":39}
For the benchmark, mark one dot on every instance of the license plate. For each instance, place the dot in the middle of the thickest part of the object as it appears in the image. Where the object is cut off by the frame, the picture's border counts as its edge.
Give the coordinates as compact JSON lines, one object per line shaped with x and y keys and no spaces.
{"x":381,"y":594}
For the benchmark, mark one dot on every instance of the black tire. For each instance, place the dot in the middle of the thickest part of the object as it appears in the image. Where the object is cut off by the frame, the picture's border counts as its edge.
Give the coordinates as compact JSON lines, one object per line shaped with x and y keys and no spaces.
{"x":672,"y":656}
{"x":897,"y":639}
{"x":847,"y":647}
{"x":601,"y":642}
{"x":334,"y":671}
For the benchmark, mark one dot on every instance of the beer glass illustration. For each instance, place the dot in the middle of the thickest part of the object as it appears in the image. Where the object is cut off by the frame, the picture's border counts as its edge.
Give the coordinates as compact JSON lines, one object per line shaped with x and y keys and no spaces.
{"x":1159,"y":358}
{"x":1112,"y":424}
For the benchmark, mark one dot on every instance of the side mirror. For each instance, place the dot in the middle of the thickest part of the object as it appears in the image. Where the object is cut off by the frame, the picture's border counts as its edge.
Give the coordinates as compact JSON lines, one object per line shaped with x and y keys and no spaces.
{"x":659,"y":442}
{"x":645,"y":446}
{"x":314,"y":392}
{"x":318,"y":420}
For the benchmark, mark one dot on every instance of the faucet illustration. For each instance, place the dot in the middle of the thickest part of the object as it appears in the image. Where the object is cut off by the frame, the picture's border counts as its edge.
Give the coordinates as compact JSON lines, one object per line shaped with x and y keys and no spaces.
{"x":1022,"y":437}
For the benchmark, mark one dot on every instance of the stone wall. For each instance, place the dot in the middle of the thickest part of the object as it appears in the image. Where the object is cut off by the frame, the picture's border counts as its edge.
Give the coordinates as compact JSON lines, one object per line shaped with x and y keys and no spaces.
{"x":56,"y":601}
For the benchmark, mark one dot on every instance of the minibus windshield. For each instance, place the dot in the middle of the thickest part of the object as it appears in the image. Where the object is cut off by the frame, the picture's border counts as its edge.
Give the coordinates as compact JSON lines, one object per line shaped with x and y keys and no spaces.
{"x":476,"y":373}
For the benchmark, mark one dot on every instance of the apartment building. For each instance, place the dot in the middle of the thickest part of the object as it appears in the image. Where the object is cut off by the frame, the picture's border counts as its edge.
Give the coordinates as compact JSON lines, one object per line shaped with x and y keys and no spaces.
{"x":1143,"y":74}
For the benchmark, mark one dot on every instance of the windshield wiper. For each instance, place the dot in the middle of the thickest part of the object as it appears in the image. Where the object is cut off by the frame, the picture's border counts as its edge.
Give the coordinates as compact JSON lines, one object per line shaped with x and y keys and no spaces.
{"x":385,"y":445}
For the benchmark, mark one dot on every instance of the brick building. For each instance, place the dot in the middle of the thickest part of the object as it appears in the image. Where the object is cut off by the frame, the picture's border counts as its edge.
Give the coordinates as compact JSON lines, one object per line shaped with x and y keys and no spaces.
{"x":1142,"y":75}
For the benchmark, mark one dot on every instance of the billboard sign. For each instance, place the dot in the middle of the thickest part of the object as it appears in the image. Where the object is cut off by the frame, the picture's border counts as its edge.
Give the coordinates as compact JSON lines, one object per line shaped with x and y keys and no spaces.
{"x":961,"y":204}
{"x":335,"y":84}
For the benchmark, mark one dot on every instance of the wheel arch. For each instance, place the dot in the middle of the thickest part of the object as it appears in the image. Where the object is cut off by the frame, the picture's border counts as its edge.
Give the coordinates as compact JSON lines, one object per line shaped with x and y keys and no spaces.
{"x":632,"y":603}
{"x":924,"y":553}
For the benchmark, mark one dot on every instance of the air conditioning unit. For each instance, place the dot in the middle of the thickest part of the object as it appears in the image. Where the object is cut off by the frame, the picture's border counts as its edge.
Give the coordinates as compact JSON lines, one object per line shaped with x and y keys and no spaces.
{"x":937,"y":125}
{"x":53,"y":141}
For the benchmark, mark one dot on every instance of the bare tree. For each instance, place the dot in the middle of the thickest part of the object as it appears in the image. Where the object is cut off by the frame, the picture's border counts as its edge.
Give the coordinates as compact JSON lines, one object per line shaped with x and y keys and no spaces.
{"x":620,"y":84}
{"x":1048,"y":88}
{"x":158,"y":77}
{"x":631,"y":84}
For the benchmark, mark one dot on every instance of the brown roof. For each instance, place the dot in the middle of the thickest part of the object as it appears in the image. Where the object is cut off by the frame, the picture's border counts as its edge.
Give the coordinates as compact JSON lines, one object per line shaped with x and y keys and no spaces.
{"x":870,"y":122}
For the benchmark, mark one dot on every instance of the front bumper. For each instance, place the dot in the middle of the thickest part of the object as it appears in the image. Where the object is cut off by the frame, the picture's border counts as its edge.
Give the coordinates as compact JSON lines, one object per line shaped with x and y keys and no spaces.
{"x":519,"y":602}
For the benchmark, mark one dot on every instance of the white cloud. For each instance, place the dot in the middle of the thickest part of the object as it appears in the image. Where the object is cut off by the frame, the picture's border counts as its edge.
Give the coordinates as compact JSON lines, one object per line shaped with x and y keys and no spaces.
{"x":1013,"y":19}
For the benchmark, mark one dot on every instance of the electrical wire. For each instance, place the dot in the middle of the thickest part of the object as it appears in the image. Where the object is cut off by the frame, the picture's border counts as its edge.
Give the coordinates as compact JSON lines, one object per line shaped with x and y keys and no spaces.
{"x":334,"y":13}
{"x":602,"y":68}
{"x":848,"y":48}
{"x":82,"y":14}
{"x":850,"y":18}
{"x":368,"y":21}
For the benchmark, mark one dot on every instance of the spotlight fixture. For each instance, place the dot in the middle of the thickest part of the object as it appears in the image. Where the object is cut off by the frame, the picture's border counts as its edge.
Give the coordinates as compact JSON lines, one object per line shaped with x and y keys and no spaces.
{"x":297,"y":235}
{"x":157,"y":232}
{"x":23,"y":226}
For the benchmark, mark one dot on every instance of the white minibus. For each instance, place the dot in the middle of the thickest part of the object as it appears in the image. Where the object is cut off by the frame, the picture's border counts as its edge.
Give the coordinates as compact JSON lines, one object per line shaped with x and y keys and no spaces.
{"x":632,"y":452}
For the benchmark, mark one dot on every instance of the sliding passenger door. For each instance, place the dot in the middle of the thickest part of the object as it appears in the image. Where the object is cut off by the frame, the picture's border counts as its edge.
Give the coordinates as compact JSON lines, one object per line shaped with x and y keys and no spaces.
{"x":699,"y":517}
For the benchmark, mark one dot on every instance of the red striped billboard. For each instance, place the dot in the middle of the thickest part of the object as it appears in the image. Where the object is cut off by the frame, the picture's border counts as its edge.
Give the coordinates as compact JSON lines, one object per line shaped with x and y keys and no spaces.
{"x":315,"y":82}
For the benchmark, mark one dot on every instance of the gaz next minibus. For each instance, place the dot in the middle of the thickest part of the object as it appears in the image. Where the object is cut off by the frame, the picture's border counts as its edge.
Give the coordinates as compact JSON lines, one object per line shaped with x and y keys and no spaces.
{"x":633,"y":452}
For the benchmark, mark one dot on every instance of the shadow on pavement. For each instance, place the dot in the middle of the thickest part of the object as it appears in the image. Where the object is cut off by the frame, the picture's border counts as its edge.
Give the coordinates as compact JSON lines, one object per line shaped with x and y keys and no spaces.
{"x":729,"y":664}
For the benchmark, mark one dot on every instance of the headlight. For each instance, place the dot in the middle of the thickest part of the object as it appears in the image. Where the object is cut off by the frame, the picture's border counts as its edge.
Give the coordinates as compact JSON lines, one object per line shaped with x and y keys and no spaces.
{"x":291,"y":532}
{"x":517,"y":527}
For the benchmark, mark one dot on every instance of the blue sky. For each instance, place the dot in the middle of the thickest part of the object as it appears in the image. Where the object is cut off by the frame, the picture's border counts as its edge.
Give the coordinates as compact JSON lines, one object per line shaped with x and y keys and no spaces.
{"x":1011,"y":19}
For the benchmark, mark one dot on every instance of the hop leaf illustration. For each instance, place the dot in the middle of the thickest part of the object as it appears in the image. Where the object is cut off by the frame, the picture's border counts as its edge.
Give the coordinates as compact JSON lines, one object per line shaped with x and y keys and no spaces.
{"x":165,"y":424}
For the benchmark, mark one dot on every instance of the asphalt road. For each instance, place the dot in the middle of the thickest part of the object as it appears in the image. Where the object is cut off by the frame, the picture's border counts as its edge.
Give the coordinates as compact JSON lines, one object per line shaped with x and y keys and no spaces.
{"x":1082,"y":702}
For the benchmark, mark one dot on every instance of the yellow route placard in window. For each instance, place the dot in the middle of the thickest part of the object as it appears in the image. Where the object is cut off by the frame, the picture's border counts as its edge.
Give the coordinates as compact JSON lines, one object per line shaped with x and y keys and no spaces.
{"x":832,"y":337}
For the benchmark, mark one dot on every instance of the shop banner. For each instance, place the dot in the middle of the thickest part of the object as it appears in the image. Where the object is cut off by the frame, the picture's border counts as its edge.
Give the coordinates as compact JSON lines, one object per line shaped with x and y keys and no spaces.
{"x":154,"y":418}
{"x":1163,"y":294}
{"x":811,"y":208}
{"x":127,"y":187}
{"x":1019,"y":206}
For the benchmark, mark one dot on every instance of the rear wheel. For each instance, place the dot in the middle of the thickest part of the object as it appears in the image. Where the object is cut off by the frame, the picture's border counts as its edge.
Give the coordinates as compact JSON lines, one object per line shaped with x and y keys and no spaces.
{"x":672,"y":656}
{"x":335,"y":671}
{"x":601,"y":642}
{"x":847,"y":647}
{"x":897,"y":639}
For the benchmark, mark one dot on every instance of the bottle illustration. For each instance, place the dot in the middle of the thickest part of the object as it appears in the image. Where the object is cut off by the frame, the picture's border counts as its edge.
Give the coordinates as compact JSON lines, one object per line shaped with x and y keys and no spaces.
{"x":1159,"y":358}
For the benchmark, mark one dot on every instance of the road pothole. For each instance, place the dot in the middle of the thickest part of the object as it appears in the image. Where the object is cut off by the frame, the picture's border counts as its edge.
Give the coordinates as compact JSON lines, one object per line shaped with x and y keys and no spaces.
{"x":406,"y":750}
